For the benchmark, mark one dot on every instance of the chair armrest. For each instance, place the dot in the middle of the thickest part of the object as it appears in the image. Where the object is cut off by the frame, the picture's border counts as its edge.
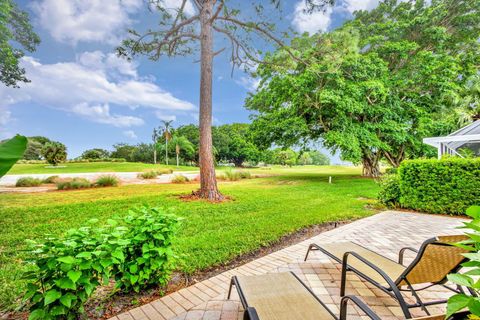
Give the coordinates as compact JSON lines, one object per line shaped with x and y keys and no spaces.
{"x":360,"y":304}
{"x":402,"y":253}
{"x":250,"y":314}
{"x":391,"y":283}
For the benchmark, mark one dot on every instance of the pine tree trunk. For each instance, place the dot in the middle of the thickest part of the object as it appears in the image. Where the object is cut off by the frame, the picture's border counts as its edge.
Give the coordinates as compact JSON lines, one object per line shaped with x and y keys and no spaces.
{"x":208,"y":182}
{"x":154,"y":155}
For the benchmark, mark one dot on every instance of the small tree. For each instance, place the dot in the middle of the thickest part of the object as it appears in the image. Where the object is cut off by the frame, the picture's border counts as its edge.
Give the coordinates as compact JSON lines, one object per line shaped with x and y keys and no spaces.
{"x":181,"y":34}
{"x":14,"y":27}
{"x":54,"y":152}
{"x":182,"y":144}
{"x":167,"y":135}
{"x":95,"y":153}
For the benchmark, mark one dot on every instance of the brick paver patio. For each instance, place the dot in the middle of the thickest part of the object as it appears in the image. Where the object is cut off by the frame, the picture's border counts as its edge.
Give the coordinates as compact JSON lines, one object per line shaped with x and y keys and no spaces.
{"x":386,"y":233}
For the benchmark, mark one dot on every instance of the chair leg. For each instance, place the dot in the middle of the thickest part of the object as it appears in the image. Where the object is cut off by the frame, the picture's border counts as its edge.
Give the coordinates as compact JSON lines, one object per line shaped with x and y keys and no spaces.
{"x":343,"y":282}
{"x":417,"y":297}
{"x":310,"y":248}
{"x":230,"y":288}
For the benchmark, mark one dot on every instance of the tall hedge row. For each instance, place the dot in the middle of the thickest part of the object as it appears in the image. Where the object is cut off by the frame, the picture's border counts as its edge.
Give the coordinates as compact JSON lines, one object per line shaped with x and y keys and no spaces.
{"x":447,"y":186}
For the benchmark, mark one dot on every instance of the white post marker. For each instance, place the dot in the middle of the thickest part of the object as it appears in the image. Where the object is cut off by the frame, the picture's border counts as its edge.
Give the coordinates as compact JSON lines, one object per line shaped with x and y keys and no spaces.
{"x":330,"y":179}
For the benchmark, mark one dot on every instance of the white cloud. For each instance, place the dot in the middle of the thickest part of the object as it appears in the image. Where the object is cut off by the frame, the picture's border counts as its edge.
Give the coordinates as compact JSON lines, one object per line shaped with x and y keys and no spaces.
{"x":73,"y":21}
{"x":173,"y":5}
{"x":249,"y":83}
{"x":356,"y":5}
{"x":90,"y":88}
{"x":311,"y":22}
{"x":321,"y":20}
{"x":5,"y":117}
{"x":101,"y":114}
{"x":130,"y":134}
{"x":165,"y":117}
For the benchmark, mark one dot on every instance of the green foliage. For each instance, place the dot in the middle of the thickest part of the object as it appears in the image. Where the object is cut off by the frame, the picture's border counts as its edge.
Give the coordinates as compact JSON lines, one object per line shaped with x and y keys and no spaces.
{"x":446,"y":186}
{"x":286,"y":157}
{"x":28,"y":182}
{"x":123,"y":150}
{"x":15,"y":33}
{"x":54,"y":152}
{"x":95,"y":153}
{"x":10,"y":152}
{"x":151,"y":174}
{"x":389,"y":194}
{"x":468,"y":279}
{"x":51,"y":179}
{"x":34,"y":147}
{"x":75,"y":183}
{"x":178,"y":178}
{"x":318,"y":158}
{"x":107,"y":181}
{"x":374,"y":87}
{"x":134,"y":251}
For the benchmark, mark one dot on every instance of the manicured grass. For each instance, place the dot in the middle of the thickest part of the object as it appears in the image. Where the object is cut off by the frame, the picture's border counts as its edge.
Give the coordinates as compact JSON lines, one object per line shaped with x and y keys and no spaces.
{"x":81,"y":167}
{"x":263,"y":210}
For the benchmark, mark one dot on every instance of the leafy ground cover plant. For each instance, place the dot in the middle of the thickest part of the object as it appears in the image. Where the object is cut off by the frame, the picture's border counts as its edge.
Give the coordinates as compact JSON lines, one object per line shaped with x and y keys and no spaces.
{"x":75,"y":183}
{"x":468,"y":279}
{"x":151,"y":174}
{"x":107,"y":181}
{"x":134,"y":251}
{"x":28,"y":182}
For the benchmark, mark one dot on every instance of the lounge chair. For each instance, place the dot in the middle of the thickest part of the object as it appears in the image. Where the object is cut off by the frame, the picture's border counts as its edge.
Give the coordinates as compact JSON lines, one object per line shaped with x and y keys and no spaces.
{"x":435,"y":259}
{"x":283,"y":296}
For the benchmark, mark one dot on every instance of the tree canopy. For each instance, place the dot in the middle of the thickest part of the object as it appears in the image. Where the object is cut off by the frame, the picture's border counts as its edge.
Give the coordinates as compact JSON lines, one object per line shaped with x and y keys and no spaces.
{"x":15,"y":33}
{"x":376,"y":86}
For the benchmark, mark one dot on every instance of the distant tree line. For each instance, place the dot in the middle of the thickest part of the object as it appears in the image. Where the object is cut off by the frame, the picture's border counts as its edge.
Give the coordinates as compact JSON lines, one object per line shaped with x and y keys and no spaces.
{"x":233,"y":144}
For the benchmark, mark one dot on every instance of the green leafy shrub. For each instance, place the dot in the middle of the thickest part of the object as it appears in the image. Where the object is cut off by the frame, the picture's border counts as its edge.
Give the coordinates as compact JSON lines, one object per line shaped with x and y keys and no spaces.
{"x":134,"y":251}
{"x":179,"y":179}
{"x":75,"y":183}
{"x":389,"y":193}
{"x":148,"y":258}
{"x":152,"y":174}
{"x":446,"y":186}
{"x":28,"y":182}
{"x":469,"y":278}
{"x":107,"y":181}
{"x":51,"y":179}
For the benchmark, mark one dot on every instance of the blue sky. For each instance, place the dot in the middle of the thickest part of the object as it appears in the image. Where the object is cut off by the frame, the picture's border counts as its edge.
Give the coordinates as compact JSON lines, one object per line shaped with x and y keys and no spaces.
{"x":84,"y":96}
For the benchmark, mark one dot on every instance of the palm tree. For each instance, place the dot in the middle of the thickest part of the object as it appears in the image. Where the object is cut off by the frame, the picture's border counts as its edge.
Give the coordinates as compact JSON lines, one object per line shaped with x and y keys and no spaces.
{"x":182,"y":144}
{"x":167,"y":135}
{"x":155,"y":139}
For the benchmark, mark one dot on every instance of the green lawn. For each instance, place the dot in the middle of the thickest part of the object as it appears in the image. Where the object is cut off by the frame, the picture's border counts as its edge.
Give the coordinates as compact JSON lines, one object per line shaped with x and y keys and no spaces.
{"x":263,"y":210}
{"x":81,"y":167}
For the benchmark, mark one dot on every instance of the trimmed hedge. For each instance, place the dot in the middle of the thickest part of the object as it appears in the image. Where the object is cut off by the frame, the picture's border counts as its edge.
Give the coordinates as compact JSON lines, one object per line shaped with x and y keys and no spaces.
{"x":447,"y":186}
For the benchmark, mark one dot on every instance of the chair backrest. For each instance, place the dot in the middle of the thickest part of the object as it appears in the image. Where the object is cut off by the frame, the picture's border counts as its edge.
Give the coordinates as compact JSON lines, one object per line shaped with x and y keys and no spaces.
{"x":436,"y":258}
